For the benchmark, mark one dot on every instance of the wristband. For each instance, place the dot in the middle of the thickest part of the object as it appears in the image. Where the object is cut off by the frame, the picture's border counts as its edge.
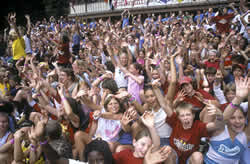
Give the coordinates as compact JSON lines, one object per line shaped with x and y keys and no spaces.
{"x":63,"y":99}
{"x":158,"y":62}
{"x":100,"y":78}
{"x":234,"y":106}
{"x":32,"y":147}
{"x":12,"y":141}
{"x":26,"y":65}
{"x":219,"y":117}
{"x":44,"y":142}
{"x":132,"y":99}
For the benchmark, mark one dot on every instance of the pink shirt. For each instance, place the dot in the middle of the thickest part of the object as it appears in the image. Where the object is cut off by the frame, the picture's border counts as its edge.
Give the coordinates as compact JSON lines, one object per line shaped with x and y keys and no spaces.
{"x":134,"y":88}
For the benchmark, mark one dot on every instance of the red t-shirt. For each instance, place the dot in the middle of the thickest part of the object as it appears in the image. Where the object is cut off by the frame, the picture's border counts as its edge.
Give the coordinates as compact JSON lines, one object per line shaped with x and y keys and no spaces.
{"x":197,"y":103}
{"x":185,"y":142}
{"x":228,"y":60}
{"x":215,"y":64}
{"x":63,"y":53}
{"x":127,"y":157}
{"x":223,"y":22}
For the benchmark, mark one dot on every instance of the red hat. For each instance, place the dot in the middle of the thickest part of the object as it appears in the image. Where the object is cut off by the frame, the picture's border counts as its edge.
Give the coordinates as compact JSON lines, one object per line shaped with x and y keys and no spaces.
{"x":185,"y":80}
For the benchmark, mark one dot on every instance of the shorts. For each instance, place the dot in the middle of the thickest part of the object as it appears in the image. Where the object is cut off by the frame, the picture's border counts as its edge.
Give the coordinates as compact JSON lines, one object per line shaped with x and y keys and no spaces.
{"x":125,"y":139}
{"x":164,"y":142}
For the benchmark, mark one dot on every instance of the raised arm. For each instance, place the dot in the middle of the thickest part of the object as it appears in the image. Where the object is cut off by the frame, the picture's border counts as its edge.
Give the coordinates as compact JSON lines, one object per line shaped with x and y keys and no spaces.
{"x":12,"y":23}
{"x":127,"y":117}
{"x":137,"y":79}
{"x":242,"y":86}
{"x":231,"y":5}
{"x":38,"y":133}
{"x":111,"y":54}
{"x":158,"y":156}
{"x":172,"y":86}
{"x":218,"y":124}
{"x":82,"y":95}
{"x":18,"y":153}
{"x":247,"y":130}
{"x":161,"y":99}
{"x":28,"y":23}
{"x":74,"y":119}
{"x":100,"y":79}
{"x":147,"y":65}
{"x":148,"y":120}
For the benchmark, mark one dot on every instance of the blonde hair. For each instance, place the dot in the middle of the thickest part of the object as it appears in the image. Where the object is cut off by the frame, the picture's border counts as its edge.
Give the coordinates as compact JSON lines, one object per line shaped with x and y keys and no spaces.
{"x":184,"y":106}
{"x":230,"y":87}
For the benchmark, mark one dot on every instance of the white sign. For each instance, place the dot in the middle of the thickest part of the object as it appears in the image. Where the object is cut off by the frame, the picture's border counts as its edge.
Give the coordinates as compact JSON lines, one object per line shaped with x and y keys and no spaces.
{"x":124,"y":4}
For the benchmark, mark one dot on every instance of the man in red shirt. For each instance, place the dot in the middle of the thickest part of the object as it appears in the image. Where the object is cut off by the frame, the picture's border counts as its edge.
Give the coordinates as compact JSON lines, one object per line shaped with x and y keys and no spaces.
{"x":212,"y":60}
{"x":197,"y":97}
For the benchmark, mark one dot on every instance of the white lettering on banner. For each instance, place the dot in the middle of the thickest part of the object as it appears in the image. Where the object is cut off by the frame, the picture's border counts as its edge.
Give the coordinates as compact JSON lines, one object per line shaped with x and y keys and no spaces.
{"x":121,"y":4}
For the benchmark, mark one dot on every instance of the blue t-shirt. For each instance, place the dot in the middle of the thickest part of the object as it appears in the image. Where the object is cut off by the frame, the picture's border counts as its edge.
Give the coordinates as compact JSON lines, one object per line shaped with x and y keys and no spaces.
{"x":125,"y":22}
{"x":201,"y":16}
{"x":76,"y":39}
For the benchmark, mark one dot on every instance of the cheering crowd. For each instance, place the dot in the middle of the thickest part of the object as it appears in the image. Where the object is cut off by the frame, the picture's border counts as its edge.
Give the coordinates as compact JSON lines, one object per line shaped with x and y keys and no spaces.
{"x":142,"y":89}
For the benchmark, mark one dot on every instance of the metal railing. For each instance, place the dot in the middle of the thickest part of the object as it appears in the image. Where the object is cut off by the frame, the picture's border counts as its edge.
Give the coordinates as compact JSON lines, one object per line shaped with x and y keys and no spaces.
{"x":102,"y":6}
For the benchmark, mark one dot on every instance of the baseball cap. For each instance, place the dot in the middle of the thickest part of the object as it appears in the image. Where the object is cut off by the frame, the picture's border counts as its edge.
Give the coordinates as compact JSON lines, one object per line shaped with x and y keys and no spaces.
{"x":185,"y":80}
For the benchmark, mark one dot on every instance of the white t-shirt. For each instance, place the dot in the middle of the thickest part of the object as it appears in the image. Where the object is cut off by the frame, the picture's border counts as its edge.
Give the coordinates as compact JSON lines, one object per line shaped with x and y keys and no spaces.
{"x":162,"y":128}
{"x":72,"y":161}
{"x":120,"y":79}
{"x":107,"y":129}
{"x":28,"y":48}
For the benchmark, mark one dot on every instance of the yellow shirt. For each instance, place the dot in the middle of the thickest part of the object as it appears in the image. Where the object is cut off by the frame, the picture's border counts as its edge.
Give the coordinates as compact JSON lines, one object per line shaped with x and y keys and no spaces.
{"x":41,"y":160}
{"x":18,"y":48}
{"x":3,"y":89}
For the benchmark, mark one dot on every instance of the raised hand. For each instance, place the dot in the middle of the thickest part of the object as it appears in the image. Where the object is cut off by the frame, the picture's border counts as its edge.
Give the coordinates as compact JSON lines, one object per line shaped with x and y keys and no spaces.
{"x":157,"y":156}
{"x":6,"y":29}
{"x":181,"y":95}
{"x":81,"y":93}
{"x":38,"y":132}
{"x":242,"y":86}
{"x":212,"y":109}
{"x":129,"y":116}
{"x":156,"y":83}
{"x":122,"y":95}
{"x":179,"y":60}
{"x":107,"y":75}
{"x":61,"y":89}
{"x":221,"y":45}
{"x":199,"y":96}
{"x":126,"y":118}
{"x":19,"y":134}
{"x":12,"y":17}
{"x":97,"y":114}
{"x":148,"y":119}
{"x":27,"y":16}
